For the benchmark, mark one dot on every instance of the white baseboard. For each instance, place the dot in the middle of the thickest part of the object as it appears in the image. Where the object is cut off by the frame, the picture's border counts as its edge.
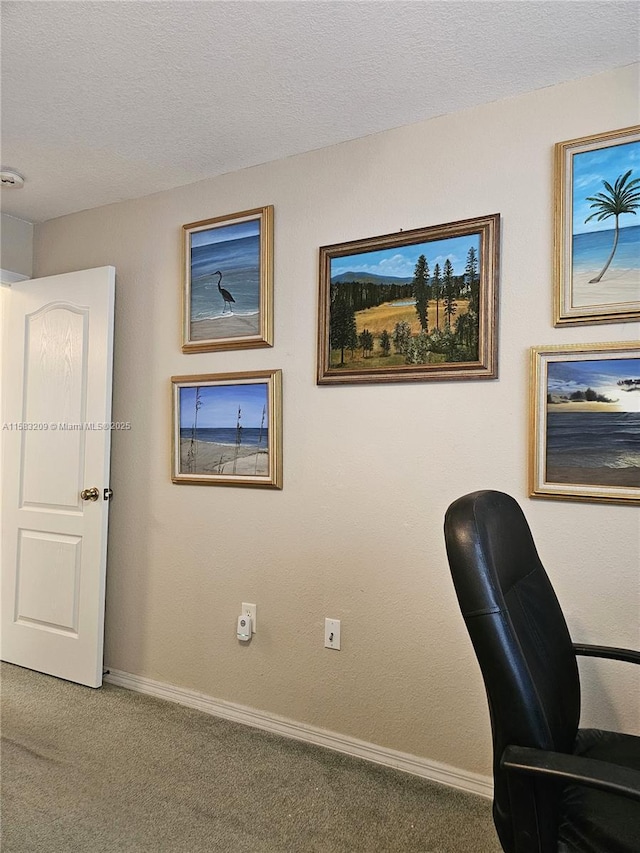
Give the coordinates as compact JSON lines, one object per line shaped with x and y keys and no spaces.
{"x":463,"y":780}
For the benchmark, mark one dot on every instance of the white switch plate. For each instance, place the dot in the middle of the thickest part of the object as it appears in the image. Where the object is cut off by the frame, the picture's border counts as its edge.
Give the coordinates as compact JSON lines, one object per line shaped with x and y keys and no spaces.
{"x":250,"y":610}
{"x":332,"y":634}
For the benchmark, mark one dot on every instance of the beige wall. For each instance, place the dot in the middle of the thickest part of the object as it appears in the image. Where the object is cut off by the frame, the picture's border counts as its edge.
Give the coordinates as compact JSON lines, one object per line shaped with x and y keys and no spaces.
{"x":16,"y":245}
{"x":16,"y":262}
{"x":356,"y":533}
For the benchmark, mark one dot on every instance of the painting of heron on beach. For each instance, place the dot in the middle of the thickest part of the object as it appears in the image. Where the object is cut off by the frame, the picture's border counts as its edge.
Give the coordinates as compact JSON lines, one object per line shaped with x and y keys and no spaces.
{"x":600,"y":263}
{"x":226,"y":428}
{"x":228,"y":278}
{"x":589,"y":420}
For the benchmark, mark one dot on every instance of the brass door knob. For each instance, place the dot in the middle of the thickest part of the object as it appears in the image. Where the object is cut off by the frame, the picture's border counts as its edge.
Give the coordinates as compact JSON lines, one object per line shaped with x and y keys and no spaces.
{"x":90,"y":494}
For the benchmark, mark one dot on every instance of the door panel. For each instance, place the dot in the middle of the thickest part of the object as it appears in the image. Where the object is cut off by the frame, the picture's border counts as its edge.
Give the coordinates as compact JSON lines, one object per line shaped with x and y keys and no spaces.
{"x":55,"y":372}
{"x":48,"y":600}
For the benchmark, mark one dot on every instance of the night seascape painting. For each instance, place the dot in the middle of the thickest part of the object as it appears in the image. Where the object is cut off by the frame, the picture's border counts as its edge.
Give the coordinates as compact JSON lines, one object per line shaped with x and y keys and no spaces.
{"x":593,"y":422}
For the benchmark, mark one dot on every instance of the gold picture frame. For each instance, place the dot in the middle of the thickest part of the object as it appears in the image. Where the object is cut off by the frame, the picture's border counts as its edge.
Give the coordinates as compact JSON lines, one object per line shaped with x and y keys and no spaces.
{"x":585,"y":422}
{"x":227,"y":429}
{"x":596,"y":238}
{"x":227,"y":300}
{"x":413,"y":306}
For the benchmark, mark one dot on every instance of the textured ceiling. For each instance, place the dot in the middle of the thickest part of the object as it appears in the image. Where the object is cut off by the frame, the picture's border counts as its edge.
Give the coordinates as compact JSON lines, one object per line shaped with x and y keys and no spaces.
{"x":103,"y":101}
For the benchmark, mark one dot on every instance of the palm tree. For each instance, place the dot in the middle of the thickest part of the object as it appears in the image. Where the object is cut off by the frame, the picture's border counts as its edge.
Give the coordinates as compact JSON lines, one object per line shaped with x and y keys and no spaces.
{"x":619,"y":198}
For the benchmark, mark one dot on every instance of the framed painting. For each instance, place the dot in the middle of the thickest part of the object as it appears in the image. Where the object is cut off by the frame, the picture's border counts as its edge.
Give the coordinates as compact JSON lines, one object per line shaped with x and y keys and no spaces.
{"x":227,"y":429}
{"x":597,"y":228}
{"x":228,"y":282}
{"x":413,"y":306}
{"x":585,"y":422}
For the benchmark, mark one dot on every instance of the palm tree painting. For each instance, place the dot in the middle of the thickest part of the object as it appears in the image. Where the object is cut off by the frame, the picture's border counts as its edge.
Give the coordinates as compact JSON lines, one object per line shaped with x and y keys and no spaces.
{"x":622,"y":197}
{"x":600,"y":272}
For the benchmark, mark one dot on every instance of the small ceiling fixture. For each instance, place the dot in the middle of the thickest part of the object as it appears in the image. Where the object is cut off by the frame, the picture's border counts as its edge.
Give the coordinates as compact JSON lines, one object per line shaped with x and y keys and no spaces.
{"x":10,"y":179}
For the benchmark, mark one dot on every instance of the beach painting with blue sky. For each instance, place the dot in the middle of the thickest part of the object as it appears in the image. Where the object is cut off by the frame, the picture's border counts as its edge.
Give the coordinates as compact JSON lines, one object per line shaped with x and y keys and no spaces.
{"x":227,"y":282}
{"x":590,"y":407}
{"x":227,"y":428}
{"x":416,"y":304}
{"x":601,"y":232}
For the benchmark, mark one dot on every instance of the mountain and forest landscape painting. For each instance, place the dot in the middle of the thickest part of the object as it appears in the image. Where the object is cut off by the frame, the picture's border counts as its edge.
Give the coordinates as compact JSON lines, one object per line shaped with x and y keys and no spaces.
{"x":605,"y":267}
{"x":593,"y":422}
{"x":416,"y":304}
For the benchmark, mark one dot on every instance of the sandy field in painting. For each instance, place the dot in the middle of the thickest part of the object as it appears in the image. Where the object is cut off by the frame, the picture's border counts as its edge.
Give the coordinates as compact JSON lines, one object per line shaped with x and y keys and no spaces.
{"x":622,"y":477}
{"x":616,"y":286}
{"x":229,"y":326}
{"x":385,"y":316}
{"x":209,"y":457}
{"x":585,"y":406}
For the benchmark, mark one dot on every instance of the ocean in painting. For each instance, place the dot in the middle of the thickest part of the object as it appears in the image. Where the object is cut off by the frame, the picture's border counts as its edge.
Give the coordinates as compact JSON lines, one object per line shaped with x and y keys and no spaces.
{"x":250,"y":437}
{"x":593,"y":440}
{"x":591,"y":250}
{"x":239,"y":263}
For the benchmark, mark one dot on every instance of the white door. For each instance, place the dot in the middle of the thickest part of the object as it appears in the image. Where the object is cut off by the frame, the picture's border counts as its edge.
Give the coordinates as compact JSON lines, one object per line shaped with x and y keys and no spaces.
{"x":57,"y":367}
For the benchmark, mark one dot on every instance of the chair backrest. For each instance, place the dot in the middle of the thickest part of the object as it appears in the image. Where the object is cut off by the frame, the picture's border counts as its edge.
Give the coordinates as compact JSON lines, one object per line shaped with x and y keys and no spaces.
{"x":519,"y":636}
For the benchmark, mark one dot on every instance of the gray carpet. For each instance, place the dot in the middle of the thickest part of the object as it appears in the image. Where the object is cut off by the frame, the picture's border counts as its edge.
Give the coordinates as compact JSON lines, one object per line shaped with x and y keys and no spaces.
{"x":111,"y":770}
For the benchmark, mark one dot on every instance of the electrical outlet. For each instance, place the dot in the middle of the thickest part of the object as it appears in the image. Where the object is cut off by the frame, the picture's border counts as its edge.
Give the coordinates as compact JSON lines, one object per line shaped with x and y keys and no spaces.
{"x":250,"y":610}
{"x":332,"y":634}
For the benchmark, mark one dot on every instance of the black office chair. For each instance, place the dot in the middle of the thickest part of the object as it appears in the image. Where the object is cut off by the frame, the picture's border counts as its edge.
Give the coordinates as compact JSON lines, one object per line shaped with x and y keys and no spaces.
{"x":556,"y":787}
